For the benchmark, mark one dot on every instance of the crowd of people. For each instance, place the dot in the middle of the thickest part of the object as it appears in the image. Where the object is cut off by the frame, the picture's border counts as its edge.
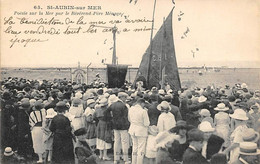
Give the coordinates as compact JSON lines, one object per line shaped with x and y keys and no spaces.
{"x":63,"y":122}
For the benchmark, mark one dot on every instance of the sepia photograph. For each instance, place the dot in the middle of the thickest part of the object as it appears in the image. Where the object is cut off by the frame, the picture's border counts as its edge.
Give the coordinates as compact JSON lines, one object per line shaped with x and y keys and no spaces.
{"x":130,"y":82}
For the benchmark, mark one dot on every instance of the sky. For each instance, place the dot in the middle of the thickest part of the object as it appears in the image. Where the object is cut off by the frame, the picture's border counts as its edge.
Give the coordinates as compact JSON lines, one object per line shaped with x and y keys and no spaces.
{"x":221,"y":33}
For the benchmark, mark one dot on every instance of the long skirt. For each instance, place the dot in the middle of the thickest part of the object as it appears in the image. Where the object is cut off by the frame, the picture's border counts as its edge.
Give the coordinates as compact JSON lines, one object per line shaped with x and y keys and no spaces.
{"x":37,"y":135}
{"x":91,"y":133}
{"x":104,"y":135}
{"x":224,"y":132}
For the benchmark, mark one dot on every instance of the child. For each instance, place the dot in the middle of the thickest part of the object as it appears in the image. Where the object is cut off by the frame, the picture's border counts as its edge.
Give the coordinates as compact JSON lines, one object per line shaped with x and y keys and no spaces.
{"x":9,"y":156}
{"x":47,"y":134}
{"x":151,"y":150}
{"x":82,"y":149}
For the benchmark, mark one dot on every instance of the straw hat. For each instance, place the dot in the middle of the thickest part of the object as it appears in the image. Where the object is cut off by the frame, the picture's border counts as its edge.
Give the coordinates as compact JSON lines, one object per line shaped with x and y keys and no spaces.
{"x":205,"y":126}
{"x":122,"y":94}
{"x":78,"y":95}
{"x":51,"y":113}
{"x":164,"y":106}
{"x":90,"y":101}
{"x":161,"y":92}
{"x":243,"y":86}
{"x":221,"y":107}
{"x":153,"y":130}
{"x":202,"y":99}
{"x":204,"y":112}
{"x":250,"y":135}
{"x":103,"y":102}
{"x":248,"y":148}
{"x":8,"y":151}
{"x":239,"y":114}
{"x":112,"y":98}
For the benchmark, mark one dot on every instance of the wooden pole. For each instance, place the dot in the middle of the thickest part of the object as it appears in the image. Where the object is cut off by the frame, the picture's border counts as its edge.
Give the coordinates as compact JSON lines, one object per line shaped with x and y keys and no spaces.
{"x":151,"y":47}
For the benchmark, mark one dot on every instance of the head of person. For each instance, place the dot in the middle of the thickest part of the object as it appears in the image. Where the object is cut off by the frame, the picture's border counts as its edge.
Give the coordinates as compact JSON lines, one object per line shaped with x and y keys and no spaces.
{"x":61,"y":107}
{"x":207,"y":128}
{"x":91,"y":103}
{"x":103,"y":102}
{"x":203,"y":114}
{"x":181,"y":128}
{"x":81,"y":134}
{"x":164,"y":107}
{"x":239,"y":116}
{"x":141,"y":102}
{"x":122,"y":96}
{"x":153,"y":98}
{"x":196,"y":137}
{"x":255,"y":108}
{"x":249,"y":152}
{"x":218,"y":159}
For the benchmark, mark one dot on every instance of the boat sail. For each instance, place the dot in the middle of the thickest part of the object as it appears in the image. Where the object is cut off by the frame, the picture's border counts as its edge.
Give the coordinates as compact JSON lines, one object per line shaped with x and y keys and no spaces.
{"x":161,"y":60}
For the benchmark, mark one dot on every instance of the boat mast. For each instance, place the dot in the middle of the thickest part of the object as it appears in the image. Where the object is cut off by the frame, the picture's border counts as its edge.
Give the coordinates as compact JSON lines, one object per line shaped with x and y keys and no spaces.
{"x":151,"y":48}
{"x":114,"y":30}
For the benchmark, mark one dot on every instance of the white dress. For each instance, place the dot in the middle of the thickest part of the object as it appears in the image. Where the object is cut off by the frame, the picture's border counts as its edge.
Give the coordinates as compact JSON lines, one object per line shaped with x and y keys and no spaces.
{"x":222,"y":122}
{"x":166,"y":121}
{"x":150,"y":151}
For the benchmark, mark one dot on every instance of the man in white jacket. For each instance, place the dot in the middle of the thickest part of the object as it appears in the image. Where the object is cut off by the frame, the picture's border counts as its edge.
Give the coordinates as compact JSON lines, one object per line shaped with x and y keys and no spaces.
{"x":139,"y":123}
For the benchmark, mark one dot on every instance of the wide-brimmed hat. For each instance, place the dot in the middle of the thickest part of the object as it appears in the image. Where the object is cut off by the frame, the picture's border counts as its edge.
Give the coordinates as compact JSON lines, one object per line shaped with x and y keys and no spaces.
{"x":153,"y":130}
{"x":195,"y":135}
{"x":181,"y":124}
{"x":112,"y":98}
{"x":204,"y":112}
{"x":90,"y":101}
{"x":164,"y":106}
{"x":250,"y":135}
{"x":103,"y":102}
{"x":168,"y":97}
{"x":51,"y":113}
{"x":202,"y":99}
{"x":205,"y":126}
{"x":248,"y":148}
{"x":221,"y":107}
{"x":8,"y":151}
{"x":161,"y":92}
{"x":239,"y":114}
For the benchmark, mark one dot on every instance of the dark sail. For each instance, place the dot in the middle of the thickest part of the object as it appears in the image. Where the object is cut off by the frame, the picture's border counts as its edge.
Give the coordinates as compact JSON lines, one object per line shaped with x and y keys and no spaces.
{"x":163,"y":64}
{"x":116,"y":75}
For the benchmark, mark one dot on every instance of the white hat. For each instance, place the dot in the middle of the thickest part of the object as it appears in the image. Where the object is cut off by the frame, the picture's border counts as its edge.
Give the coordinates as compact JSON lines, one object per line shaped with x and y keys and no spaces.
{"x":8,"y":151}
{"x":161,"y":92}
{"x":112,"y":98}
{"x":90,"y":101}
{"x":51,"y":113}
{"x":204,"y":112}
{"x":103,"y":102}
{"x":239,"y":114}
{"x":248,"y":148}
{"x":221,"y":107}
{"x":250,"y":135}
{"x":243,"y":86}
{"x":202,"y":99}
{"x":78,"y":95}
{"x":205,"y":126}
{"x":164,"y":105}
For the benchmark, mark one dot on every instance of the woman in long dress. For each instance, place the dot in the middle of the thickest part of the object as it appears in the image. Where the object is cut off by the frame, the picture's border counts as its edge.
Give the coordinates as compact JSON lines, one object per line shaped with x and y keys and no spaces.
{"x":90,"y":123}
{"x":37,"y":116}
{"x":76,"y":111}
{"x":222,"y":123}
{"x":104,"y":129}
{"x":62,"y":139}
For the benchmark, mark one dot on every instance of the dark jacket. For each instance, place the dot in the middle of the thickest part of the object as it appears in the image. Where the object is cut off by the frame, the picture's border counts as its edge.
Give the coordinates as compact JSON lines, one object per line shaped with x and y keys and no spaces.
{"x":176,"y":112}
{"x":153,"y":114}
{"x":119,"y":115}
{"x":84,"y":153}
{"x":193,"y":157}
{"x":163,"y":157}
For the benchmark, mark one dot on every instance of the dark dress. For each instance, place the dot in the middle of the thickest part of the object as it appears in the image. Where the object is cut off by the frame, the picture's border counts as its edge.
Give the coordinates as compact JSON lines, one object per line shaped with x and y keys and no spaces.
{"x":177,"y":150}
{"x":153,"y":114}
{"x":163,"y":157}
{"x":62,"y":140}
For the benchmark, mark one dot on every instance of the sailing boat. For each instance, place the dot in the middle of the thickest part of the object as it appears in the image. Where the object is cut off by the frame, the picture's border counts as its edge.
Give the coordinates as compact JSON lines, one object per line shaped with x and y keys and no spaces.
{"x":159,"y":66}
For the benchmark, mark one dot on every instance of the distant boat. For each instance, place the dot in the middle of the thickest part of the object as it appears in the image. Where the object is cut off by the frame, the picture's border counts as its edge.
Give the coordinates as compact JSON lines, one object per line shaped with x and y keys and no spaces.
{"x":216,"y":70}
{"x":200,"y":73}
